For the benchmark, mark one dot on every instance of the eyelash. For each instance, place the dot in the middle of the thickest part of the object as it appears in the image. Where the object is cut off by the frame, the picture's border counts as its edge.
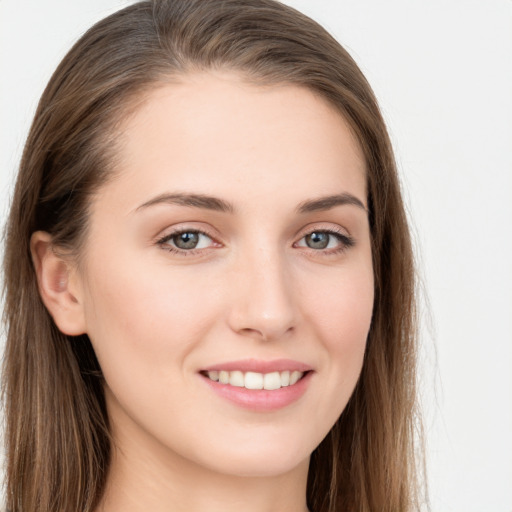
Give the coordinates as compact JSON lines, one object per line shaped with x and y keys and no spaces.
{"x":345,"y":241}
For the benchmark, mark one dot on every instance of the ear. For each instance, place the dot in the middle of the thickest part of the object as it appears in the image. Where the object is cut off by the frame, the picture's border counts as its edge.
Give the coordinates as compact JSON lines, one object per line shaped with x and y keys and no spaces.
{"x":58,"y":285}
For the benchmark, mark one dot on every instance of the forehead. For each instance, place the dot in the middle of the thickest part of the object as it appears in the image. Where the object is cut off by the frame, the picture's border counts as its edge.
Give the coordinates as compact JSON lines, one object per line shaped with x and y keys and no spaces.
{"x":215,"y":133}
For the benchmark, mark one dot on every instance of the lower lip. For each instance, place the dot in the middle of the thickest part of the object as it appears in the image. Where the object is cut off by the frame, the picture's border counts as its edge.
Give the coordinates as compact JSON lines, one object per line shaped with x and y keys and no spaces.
{"x":261,"y":399}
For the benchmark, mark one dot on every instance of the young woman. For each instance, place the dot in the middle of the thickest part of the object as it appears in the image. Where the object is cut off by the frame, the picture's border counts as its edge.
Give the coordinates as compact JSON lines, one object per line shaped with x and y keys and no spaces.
{"x":209,"y":278}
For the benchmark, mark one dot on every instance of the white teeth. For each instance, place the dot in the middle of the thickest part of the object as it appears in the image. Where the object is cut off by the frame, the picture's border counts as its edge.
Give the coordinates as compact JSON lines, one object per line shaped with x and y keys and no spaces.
{"x":294,"y":377}
{"x":254,"y":380}
{"x":236,"y":379}
{"x":272,"y":381}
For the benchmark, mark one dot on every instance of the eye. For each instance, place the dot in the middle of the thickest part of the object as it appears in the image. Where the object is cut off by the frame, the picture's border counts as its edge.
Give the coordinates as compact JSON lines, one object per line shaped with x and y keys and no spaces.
{"x":187,"y":240}
{"x":325,"y":240}
{"x":320,"y":240}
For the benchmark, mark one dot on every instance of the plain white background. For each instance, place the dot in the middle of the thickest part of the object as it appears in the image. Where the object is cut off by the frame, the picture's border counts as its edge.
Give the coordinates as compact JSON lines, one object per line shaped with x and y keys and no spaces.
{"x":442,"y":70}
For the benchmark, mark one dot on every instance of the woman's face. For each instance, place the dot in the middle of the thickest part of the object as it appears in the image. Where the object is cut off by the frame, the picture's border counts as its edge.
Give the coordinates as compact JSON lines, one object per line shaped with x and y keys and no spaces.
{"x":233,"y":244}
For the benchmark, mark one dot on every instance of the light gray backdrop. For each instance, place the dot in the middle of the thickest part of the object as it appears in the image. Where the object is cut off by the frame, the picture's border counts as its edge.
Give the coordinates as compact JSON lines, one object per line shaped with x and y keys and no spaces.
{"x":442,"y":70}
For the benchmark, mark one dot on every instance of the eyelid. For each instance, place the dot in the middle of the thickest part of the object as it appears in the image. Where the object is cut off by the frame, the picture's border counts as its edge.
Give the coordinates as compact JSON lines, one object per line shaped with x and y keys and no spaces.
{"x":328,"y":227}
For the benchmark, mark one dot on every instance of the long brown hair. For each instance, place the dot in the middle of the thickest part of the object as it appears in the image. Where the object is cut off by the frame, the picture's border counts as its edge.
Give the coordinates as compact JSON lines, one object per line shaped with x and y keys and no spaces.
{"x":57,"y":432}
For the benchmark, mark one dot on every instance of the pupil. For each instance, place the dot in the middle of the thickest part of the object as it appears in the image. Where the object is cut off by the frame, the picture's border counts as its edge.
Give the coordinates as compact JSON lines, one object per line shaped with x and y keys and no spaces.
{"x":186,"y":240}
{"x":317,"y":240}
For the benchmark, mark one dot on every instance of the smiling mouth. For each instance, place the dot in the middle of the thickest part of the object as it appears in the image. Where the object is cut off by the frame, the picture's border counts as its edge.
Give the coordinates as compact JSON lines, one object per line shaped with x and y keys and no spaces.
{"x":254,"y":380}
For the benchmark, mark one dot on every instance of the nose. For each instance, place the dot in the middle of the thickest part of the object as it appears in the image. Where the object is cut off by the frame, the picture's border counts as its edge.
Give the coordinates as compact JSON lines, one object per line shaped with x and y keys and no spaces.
{"x":263,"y":304}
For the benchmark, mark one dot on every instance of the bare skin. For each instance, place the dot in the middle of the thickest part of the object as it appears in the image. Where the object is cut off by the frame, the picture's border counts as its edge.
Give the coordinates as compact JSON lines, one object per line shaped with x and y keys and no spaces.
{"x":237,"y":230}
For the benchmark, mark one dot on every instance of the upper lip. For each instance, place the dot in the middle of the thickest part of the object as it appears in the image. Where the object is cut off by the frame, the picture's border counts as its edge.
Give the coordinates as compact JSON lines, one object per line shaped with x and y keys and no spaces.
{"x":260,"y":366}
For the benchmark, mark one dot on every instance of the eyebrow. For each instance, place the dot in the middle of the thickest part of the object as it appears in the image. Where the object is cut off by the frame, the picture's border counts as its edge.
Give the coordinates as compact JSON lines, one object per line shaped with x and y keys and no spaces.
{"x":329,"y":202}
{"x":220,"y":205}
{"x":191,"y":200}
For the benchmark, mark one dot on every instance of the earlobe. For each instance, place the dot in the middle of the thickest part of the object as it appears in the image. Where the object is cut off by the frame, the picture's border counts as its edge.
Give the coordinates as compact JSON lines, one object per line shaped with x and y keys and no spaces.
{"x":56,"y":279}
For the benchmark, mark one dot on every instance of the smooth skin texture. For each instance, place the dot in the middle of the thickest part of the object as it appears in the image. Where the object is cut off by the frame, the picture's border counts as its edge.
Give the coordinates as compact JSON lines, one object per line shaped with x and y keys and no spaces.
{"x":257,"y":285}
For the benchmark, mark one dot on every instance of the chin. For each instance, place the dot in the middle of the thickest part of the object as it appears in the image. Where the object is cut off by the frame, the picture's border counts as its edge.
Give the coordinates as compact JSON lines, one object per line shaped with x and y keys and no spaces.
{"x":263,"y":457}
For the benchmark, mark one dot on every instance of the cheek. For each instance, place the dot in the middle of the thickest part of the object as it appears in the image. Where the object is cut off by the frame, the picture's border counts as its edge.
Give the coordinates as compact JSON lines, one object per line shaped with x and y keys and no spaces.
{"x":145,"y":322}
{"x":341,"y":312}
{"x":342,"y":308}
{"x":144,"y":329}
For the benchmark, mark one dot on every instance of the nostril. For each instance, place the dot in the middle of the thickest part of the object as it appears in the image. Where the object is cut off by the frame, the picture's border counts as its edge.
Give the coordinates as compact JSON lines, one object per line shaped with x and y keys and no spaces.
{"x":267,"y":333}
